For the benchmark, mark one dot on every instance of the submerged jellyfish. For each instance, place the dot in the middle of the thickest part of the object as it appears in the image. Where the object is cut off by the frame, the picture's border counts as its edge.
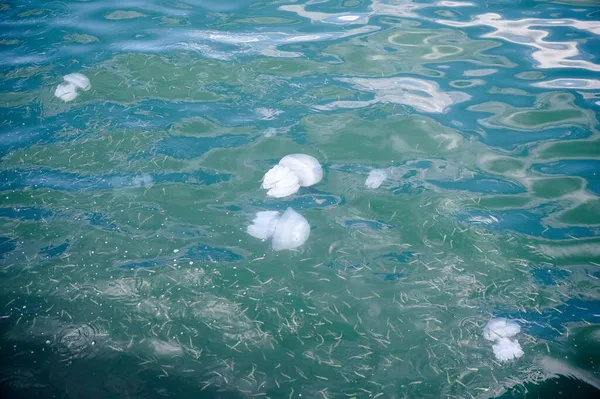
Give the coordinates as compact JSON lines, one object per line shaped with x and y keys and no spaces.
{"x":144,"y":180}
{"x":79,"y":80}
{"x":292,"y":172}
{"x":263,"y":225}
{"x":68,"y":90}
{"x":291,"y":231}
{"x":376,"y":178}
{"x":288,"y":230}
{"x":507,"y":349}
{"x":500,"y":328}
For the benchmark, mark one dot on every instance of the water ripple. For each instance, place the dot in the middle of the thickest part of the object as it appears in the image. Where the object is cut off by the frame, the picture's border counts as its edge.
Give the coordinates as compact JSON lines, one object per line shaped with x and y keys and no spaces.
{"x":126,"y":267}
{"x":423,"y":95}
{"x":547,"y":53}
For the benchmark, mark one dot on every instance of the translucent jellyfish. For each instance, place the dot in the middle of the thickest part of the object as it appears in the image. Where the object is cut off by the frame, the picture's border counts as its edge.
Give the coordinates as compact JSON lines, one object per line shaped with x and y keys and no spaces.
{"x":376,"y":178}
{"x":164,"y":348}
{"x":263,"y":225}
{"x":288,"y":230}
{"x":291,"y":231}
{"x":79,"y":80}
{"x":270,"y":132}
{"x":506,"y":349}
{"x":144,"y":180}
{"x":500,"y":328}
{"x":281,"y":182}
{"x":68,"y":90}
{"x":292,"y":172}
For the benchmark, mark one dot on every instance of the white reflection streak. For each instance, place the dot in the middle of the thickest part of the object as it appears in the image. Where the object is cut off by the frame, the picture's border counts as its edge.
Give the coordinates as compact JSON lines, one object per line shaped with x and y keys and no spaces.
{"x":548,"y":54}
{"x":397,"y":8}
{"x":263,"y":43}
{"x":557,"y":367}
{"x":338,"y":19}
{"x":423,"y":95}
{"x":456,"y":4}
{"x":267,"y":43}
{"x":394,"y":8}
{"x":579,"y":84}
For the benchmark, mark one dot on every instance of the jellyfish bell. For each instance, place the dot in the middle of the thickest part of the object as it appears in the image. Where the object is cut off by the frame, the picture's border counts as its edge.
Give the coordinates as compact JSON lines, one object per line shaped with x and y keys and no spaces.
{"x":306,"y":167}
{"x":79,"y":80}
{"x":500,"y":327}
{"x":263,"y":225}
{"x":281,"y":182}
{"x":288,"y":230}
{"x":376,"y":178}
{"x":66,"y":92}
{"x":292,"y":172}
{"x":506,"y":349}
{"x":291,"y":231}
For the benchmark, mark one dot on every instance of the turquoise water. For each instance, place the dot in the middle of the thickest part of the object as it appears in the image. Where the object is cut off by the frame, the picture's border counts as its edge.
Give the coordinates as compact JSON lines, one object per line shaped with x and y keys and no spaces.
{"x":126,"y":267}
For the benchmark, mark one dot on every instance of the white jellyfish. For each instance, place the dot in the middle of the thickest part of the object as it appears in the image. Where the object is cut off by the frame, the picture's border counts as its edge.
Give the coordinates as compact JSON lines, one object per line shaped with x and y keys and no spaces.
{"x":144,"y":180}
{"x":263,"y":225}
{"x":291,"y":231}
{"x":68,"y":90}
{"x":507,"y":349}
{"x":376,"y":178}
{"x":79,"y":80}
{"x":292,"y":172}
{"x":500,"y":328}
{"x":281,"y":182}
{"x":288,"y":230}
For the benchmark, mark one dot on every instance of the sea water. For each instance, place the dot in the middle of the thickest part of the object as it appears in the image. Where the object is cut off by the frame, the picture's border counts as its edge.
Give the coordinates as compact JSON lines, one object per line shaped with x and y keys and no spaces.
{"x":459,"y":148}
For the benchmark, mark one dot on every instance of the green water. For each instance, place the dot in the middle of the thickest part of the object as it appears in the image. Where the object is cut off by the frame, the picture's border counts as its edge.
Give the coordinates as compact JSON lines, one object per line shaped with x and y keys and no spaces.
{"x":125,"y":265}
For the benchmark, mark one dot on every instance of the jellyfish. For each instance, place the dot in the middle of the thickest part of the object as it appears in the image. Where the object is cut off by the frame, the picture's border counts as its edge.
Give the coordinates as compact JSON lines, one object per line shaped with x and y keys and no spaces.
{"x":263,"y":225}
{"x":79,"y":80}
{"x":376,"y":178}
{"x":507,"y":349}
{"x":500,"y":328}
{"x":287,"y":231}
{"x":291,"y":231}
{"x":144,"y":180}
{"x":68,"y":90}
{"x":292,"y":172}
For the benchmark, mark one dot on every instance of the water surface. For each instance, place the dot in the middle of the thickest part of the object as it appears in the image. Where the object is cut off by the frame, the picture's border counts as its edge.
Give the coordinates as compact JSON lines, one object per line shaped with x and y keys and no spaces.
{"x":126,"y":269}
